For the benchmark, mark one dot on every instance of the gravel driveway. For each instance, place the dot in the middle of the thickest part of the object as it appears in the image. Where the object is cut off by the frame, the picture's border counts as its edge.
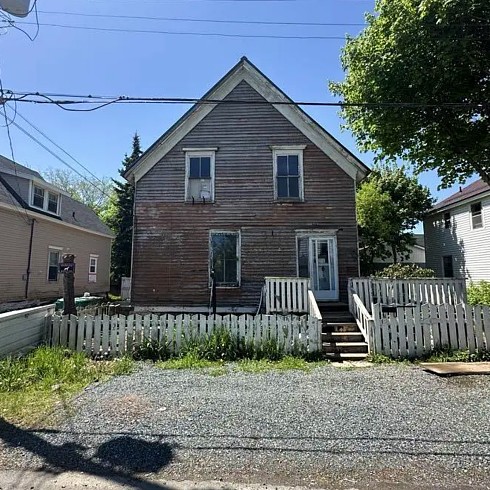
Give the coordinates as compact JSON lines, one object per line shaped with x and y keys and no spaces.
{"x":377,"y":427}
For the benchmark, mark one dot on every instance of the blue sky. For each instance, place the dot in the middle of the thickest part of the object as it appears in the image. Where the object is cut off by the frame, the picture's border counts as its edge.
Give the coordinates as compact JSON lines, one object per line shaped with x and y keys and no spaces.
{"x":113,"y":63}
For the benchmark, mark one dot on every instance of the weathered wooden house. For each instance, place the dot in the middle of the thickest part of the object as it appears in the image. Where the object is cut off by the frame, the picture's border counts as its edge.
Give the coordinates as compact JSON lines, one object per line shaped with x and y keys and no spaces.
{"x":250,"y":186}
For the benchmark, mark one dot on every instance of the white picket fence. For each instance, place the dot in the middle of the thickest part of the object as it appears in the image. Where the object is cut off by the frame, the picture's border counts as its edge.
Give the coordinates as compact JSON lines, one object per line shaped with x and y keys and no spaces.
{"x":415,"y":331}
{"x":119,"y":334}
{"x":286,"y":295}
{"x":402,"y":292}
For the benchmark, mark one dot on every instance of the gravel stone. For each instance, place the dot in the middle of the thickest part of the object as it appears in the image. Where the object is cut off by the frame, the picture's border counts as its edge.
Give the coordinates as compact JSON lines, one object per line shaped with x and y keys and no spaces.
{"x":392,"y":426}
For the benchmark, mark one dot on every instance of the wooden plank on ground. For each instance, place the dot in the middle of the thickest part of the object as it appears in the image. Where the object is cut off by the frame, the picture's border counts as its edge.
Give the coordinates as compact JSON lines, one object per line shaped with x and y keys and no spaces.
{"x":456,"y":368}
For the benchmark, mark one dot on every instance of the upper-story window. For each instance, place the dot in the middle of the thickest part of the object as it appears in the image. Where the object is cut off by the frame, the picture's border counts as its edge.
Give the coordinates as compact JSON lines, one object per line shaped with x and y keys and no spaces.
{"x":199,"y":185}
{"x":288,"y":173}
{"x":447,"y":220}
{"x":45,"y":199}
{"x":476,"y":215}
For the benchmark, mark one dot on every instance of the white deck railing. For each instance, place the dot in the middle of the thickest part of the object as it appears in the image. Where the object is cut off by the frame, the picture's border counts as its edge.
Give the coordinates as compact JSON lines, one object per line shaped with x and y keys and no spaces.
{"x":399,"y":292}
{"x":286,"y":295}
{"x":364,"y":320}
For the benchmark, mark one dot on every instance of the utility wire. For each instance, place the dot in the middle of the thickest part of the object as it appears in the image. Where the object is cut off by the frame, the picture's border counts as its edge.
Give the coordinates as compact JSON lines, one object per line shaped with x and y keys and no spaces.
{"x":207,"y":21}
{"x":104,"y":100}
{"x":59,"y":147}
{"x":64,"y":162}
{"x":180,"y":33}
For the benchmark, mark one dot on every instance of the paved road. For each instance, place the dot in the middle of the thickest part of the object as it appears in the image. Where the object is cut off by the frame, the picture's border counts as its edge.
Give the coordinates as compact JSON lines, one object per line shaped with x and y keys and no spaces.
{"x":378,"y":427}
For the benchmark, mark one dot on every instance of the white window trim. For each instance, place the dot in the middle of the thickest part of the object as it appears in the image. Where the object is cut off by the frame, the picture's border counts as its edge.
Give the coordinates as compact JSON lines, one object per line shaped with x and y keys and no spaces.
{"x":53,"y":248}
{"x":199,"y":152}
{"x":46,"y":190}
{"x":239,"y":256}
{"x":284,"y":151}
{"x":92,"y":276}
{"x":482,"y":217}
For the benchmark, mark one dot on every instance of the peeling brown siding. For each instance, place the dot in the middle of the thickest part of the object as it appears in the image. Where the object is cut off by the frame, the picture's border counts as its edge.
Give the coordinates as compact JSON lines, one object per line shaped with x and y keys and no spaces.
{"x":14,"y":255}
{"x":171,"y":248}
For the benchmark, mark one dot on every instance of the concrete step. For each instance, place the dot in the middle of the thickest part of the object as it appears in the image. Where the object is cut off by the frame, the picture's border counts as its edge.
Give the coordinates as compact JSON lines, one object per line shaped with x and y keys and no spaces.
{"x":345,"y":347}
{"x":345,"y":356}
{"x":342,"y":337}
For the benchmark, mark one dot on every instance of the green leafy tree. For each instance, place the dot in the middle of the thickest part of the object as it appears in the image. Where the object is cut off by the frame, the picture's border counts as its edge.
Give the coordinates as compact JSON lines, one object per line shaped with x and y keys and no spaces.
{"x":390,"y":203}
{"x":422,"y":67}
{"x":120,"y":218}
{"x":93,"y":192}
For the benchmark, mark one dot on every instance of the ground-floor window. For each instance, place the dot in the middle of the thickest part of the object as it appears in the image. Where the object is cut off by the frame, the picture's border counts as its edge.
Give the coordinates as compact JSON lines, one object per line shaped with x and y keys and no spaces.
{"x":92,"y":268}
{"x":224,"y":258}
{"x":447,"y":265}
{"x":53,"y":264}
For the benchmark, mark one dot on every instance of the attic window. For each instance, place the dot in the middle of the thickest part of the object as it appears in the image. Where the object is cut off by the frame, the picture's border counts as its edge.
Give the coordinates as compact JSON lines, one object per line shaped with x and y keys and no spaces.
{"x":44,"y":199}
{"x":199,"y":185}
{"x":288,"y":173}
{"x":447,"y":220}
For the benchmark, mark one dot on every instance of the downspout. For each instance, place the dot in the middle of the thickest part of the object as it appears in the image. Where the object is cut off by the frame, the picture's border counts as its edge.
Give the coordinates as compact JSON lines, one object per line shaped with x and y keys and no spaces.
{"x":28,"y":272}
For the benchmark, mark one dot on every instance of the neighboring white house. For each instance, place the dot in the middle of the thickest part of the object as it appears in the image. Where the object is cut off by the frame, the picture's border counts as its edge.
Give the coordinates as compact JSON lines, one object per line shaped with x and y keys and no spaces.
{"x":457,"y":234}
{"x":416,"y":255}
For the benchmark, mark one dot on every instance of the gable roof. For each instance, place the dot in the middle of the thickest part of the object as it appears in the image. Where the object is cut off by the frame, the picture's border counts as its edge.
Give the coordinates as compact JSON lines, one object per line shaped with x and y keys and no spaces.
{"x":72,"y":212}
{"x":472,"y":190}
{"x":246,"y":71}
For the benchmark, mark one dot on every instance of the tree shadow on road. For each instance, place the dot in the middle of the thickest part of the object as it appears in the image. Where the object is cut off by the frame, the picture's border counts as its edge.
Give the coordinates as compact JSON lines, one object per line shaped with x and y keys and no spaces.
{"x":119,"y":460}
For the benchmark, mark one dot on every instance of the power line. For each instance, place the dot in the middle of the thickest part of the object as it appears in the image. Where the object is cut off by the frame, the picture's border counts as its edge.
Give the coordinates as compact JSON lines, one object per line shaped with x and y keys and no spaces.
{"x":29,"y":135}
{"x":59,"y":147}
{"x":182,"y":33}
{"x":210,"y":21}
{"x":105,"y":100}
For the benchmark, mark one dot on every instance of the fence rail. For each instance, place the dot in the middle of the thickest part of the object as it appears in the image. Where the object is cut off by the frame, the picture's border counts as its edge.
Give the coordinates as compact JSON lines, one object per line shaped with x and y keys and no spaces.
{"x":118,"y":334}
{"x":413,"y":332}
{"x":23,"y":330}
{"x":400,"y":292}
{"x":286,"y":295}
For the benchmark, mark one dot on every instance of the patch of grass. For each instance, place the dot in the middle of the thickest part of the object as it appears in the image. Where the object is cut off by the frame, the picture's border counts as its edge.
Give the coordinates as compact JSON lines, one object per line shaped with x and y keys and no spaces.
{"x":286,"y":364}
{"x":383,"y":359}
{"x":31,"y":386}
{"x":446,"y":354}
{"x":189,"y":361}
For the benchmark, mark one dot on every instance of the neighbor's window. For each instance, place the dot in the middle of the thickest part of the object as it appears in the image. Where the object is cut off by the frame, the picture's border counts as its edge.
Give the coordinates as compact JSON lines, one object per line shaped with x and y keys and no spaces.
{"x":288,"y":174}
{"x":53,"y":265}
{"x":92,"y":268}
{"x":45,"y":200}
{"x":200,"y":176}
{"x":447,"y":265}
{"x":447,"y":220}
{"x":224,"y":258}
{"x":476,"y":215}
{"x":38,"y":197}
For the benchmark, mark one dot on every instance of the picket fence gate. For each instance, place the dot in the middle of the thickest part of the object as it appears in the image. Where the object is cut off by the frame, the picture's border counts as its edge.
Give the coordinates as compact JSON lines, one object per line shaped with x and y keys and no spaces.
{"x":415,"y":331}
{"x":113,"y":336}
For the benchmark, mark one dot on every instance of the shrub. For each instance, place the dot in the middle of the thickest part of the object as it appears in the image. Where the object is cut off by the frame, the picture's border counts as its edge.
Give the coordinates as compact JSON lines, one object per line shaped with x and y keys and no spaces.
{"x":405,"y":271}
{"x":152,"y":350}
{"x":479,"y":294}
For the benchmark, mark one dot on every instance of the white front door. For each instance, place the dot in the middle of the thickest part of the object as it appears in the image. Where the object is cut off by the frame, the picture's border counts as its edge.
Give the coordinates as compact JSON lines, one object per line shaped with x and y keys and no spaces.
{"x":323,"y":268}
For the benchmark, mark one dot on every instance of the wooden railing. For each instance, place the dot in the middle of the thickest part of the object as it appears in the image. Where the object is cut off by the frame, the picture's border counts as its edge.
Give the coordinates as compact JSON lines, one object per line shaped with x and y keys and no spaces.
{"x":399,"y":292}
{"x":364,"y":320}
{"x":286,"y":295}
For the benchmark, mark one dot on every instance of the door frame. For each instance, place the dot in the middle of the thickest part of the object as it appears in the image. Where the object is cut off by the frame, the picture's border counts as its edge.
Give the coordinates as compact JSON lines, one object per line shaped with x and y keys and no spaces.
{"x":334,"y":262}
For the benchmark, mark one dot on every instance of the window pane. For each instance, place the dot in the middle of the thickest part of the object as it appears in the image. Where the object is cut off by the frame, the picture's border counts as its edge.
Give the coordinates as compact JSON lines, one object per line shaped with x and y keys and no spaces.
{"x":447,"y":261}
{"x":52,"y":202}
{"x":293,"y":187}
{"x":53,"y":273}
{"x":282,"y":165}
{"x":282,"y":187}
{"x":54,"y":258}
{"x":205,"y":168}
{"x":194,"y":172}
{"x":293,"y":165}
{"x":38,"y":199}
{"x":224,"y":253}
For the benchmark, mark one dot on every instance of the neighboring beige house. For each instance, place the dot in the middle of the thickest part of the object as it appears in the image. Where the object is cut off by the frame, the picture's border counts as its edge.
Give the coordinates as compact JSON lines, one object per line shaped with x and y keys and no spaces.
{"x":38,"y":224}
{"x":457,"y":234}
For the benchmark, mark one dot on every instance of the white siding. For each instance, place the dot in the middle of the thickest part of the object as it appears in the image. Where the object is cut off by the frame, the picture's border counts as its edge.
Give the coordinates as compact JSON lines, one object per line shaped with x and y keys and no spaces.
{"x":470,"y":248}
